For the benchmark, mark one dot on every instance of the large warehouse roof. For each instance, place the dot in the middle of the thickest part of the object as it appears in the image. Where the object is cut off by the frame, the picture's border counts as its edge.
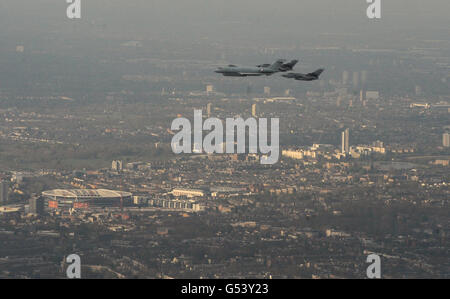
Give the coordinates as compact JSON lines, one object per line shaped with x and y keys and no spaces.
{"x":85,"y":193}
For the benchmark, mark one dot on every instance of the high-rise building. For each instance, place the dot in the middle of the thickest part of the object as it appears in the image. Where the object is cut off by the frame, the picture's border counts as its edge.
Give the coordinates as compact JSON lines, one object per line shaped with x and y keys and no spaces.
{"x":345,"y":77}
{"x":345,"y":141}
{"x":208,"y":109}
{"x":362,"y":95}
{"x":446,"y":140}
{"x":36,"y":205}
{"x":20,"y":49}
{"x":4,"y":192}
{"x":355,"y":80}
{"x":418,"y":90}
{"x":364,"y":78}
{"x":209,"y":89}
{"x":117,"y":165}
{"x":254,"y":110}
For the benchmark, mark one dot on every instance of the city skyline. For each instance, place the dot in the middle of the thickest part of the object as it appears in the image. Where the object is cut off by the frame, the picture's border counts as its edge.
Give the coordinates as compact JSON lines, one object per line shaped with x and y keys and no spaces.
{"x":133,"y":145}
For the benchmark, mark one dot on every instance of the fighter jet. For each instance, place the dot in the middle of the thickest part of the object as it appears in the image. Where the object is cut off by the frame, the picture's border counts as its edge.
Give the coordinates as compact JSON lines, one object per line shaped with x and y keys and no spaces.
{"x":289,"y":66}
{"x":236,"y":71}
{"x":305,"y":77}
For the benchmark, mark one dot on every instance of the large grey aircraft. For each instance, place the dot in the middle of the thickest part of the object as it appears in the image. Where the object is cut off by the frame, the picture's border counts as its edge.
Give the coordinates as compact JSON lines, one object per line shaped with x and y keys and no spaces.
{"x":305,"y":77}
{"x":236,"y":71}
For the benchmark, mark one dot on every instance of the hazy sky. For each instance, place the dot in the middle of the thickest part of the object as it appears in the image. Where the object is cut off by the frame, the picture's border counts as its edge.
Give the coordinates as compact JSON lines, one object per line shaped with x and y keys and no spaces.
{"x":228,"y":19}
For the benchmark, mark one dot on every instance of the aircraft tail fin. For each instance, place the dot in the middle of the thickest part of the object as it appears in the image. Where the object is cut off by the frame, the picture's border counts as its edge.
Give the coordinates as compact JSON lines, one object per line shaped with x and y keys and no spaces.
{"x":291,"y":64}
{"x":317,"y":73}
{"x":278,"y":64}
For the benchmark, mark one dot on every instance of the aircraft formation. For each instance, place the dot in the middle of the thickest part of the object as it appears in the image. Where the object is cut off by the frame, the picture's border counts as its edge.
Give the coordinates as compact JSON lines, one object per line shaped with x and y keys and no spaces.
{"x":280,"y":66}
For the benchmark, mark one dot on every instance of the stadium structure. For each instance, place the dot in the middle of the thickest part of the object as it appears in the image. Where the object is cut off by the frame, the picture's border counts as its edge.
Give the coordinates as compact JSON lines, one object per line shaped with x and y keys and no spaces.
{"x":83,"y":199}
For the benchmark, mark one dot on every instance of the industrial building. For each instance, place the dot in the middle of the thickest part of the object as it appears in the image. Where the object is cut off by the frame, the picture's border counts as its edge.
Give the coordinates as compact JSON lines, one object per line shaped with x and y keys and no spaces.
{"x":187,"y":205}
{"x":188,"y":192}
